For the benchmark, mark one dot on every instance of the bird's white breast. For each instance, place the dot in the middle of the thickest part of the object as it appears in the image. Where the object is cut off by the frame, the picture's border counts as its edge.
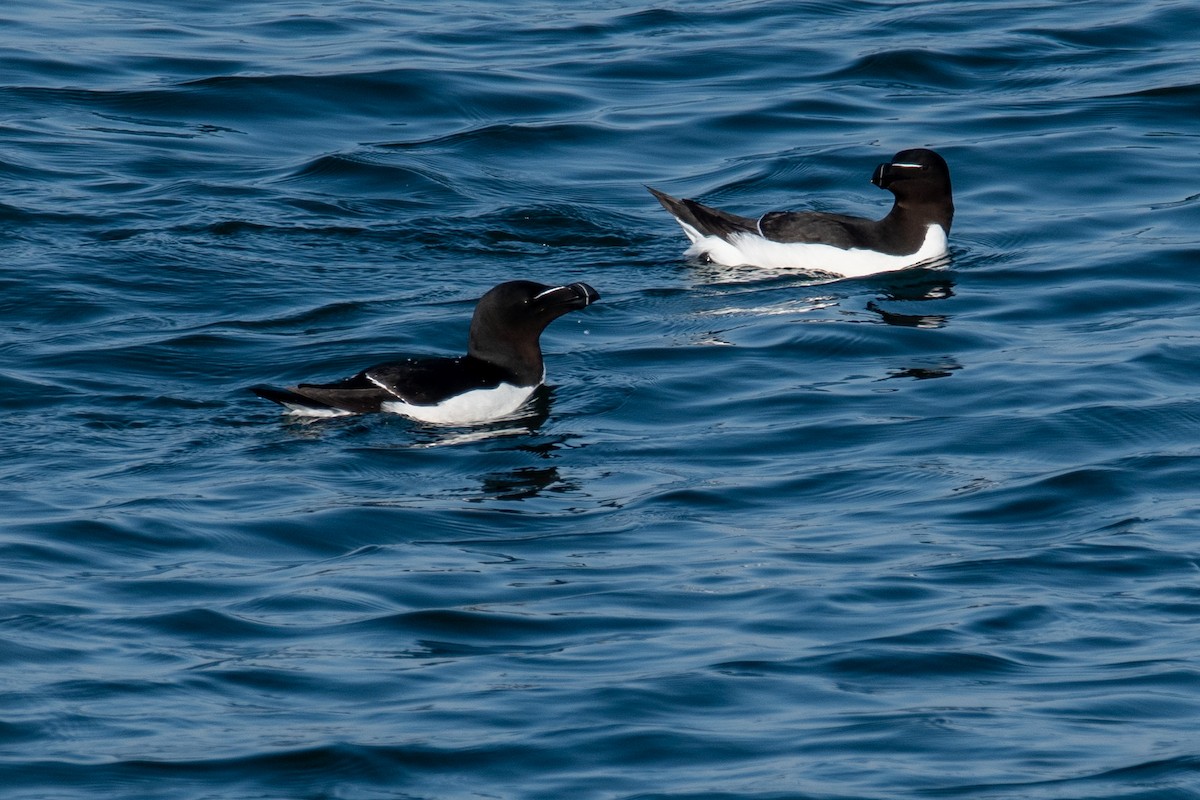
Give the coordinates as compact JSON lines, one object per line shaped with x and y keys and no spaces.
{"x":468,"y":408}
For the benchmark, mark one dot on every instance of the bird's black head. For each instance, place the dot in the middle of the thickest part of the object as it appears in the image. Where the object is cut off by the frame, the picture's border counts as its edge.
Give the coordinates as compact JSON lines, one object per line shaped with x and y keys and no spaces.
{"x":909,"y":170}
{"x":920,"y":179}
{"x":510,"y":318}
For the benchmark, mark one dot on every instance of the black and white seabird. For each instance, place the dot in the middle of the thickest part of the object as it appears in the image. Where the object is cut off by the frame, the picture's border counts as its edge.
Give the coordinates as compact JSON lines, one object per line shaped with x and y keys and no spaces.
{"x":915,"y":231}
{"x":500,"y":372}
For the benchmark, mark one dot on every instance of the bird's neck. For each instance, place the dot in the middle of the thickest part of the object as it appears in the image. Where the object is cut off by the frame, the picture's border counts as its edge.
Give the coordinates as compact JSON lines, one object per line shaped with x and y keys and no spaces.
{"x":919,"y":216}
{"x":523,"y":361}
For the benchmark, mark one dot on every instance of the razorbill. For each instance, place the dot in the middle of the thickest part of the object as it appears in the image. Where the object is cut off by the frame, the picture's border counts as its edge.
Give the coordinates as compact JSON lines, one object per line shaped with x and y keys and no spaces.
{"x":502,"y":368}
{"x":914,"y":231}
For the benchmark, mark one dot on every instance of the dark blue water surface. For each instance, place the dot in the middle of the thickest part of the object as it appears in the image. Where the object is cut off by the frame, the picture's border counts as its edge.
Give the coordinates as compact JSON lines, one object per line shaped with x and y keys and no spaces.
{"x":932,"y":534}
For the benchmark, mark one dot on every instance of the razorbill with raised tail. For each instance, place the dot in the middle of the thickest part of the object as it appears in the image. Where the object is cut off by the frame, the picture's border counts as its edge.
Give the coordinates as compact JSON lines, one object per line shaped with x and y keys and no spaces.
{"x":500,"y":372}
{"x":915,"y":231}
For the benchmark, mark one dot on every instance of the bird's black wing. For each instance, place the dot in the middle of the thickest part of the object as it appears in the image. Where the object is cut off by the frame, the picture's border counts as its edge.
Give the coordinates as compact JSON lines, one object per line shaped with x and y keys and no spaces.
{"x":815,"y":227}
{"x":419,"y":381}
{"x":428,"y":381}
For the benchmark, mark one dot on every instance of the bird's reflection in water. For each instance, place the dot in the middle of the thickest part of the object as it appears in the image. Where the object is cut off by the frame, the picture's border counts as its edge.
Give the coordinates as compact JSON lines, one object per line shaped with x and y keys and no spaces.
{"x":920,"y":287}
{"x":518,"y":435}
{"x":908,"y":320}
{"x":916,"y":287}
{"x":522,"y":483}
{"x":925,"y":373}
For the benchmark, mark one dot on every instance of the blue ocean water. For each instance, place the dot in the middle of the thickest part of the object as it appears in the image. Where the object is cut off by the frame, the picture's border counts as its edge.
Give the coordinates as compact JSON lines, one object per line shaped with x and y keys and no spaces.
{"x":931,"y":534}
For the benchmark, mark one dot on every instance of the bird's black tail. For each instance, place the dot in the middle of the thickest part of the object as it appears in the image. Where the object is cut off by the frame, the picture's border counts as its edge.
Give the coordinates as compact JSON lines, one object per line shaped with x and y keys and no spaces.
{"x":706,"y":221}
{"x":290,"y":399}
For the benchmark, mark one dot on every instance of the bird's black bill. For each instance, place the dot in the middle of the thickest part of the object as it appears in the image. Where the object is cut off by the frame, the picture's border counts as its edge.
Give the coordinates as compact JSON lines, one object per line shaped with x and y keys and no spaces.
{"x":880,"y":175}
{"x":575,"y":295}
